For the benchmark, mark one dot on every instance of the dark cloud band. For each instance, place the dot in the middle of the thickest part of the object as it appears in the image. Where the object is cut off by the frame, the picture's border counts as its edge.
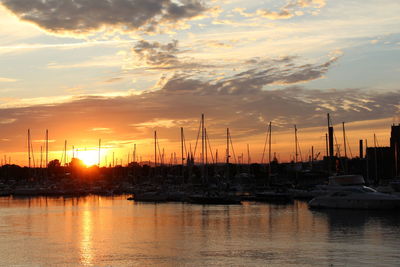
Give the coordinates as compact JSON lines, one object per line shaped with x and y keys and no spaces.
{"x":83,"y":16}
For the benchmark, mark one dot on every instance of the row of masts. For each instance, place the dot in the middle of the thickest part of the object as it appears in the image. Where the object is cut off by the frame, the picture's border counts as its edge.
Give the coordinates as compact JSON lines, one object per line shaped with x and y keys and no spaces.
{"x":206,"y":150}
{"x":31,"y":155}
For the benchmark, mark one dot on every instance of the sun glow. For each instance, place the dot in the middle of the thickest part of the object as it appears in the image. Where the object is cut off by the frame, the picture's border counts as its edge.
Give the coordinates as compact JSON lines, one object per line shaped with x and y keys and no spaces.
{"x":89,"y":157}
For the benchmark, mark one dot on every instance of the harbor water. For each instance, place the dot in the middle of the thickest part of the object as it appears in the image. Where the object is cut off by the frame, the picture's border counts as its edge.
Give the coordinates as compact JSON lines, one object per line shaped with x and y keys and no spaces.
{"x":111,"y":231}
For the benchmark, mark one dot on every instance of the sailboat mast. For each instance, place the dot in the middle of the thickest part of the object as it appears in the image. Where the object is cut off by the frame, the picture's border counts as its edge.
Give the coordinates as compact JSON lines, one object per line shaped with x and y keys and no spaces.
{"x":41,"y":156}
{"x":330,"y":135}
{"x":203,"y":148}
{"x":183,"y":156}
{"x":375,"y":160}
{"x":155,"y":148}
{"x":227,"y":146}
{"x":248,"y":154}
{"x":47,"y":147}
{"x":344,"y":141}
{"x":202,"y":139}
{"x":29,"y":148}
{"x":100,"y":151}
{"x":295,"y":142}
{"x":65,"y":152}
{"x":326,"y":144}
{"x":205,"y":145}
{"x":134,"y":153}
{"x":269,"y":147}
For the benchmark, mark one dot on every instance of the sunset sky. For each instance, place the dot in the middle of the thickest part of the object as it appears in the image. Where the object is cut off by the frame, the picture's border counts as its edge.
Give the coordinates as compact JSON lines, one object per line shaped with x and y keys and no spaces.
{"x":120,"y":69}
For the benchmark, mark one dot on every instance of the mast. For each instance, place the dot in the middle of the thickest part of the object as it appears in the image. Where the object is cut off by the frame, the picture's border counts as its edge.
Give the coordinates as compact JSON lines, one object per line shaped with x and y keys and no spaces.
{"x":183,"y":156}
{"x":227,"y":146}
{"x":134,"y":153}
{"x":366,"y":158}
{"x":330,"y":133}
{"x":205,"y":144}
{"x":100,"y":151}
{"x":155,"y":148}
{"x":65,"y":152}
{"x":376,"y":160}
{"x":326,"y":144}
{"x":344,"y":141}
{"x":41,"y":156}
{"x":202,"y":141}
{"x":312,"y":156}
{"x":248,"y":154}
{"x":269,"y":147}
{"x":295,"y":142}
{"x":47,"y":147}
{"x":29,"y":148}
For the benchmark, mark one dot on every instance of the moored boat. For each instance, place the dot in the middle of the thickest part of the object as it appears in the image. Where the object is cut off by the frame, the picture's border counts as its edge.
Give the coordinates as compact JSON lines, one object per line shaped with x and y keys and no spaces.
{"x":356,"y":198}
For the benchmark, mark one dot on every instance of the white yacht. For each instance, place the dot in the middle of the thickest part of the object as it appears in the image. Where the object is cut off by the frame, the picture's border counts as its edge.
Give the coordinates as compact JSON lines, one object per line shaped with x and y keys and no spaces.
{"x":335,"y":183}
{"x":355,"y":197}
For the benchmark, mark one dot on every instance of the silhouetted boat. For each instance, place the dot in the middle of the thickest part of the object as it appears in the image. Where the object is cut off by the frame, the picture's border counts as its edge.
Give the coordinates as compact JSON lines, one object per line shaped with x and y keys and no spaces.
{"x":26,"y":191}
{"x":213,"y":199}
{"x":150,"y":197}
{"x":274,"y":197}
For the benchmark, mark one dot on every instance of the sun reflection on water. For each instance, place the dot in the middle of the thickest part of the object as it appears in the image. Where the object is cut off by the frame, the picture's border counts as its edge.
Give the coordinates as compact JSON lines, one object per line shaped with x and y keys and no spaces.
{"x":86,"y":244}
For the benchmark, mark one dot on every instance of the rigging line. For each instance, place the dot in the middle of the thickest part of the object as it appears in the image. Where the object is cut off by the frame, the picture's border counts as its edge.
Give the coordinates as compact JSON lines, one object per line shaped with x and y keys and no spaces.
{"x":209,"y":146}
{"x":233,"y":150}
{"x":298,"y":146}
{"x":33,"y":156}
{"x":351,"y":154}
{"x":197,"y":140}
{"x":337,"y":144}
{"x":265,"y":146}
{"x":377,"y":143}
{"x":184,"y":143}
{"x":159,"y":153}
{"x":301,"y":156}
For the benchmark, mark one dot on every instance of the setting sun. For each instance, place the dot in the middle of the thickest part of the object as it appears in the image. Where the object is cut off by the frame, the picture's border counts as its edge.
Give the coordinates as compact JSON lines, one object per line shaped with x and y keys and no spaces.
{"x":89,"y":157}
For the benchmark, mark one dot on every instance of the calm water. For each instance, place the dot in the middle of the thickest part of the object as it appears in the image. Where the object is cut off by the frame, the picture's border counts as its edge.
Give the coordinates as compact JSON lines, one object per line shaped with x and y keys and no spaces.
{"x":106,"y":231}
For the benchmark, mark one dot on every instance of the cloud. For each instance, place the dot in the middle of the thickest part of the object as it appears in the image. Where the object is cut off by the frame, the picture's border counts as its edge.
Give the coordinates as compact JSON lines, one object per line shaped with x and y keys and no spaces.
{"x":7,"y":80}
{"x":282,"y":14}
{"x":83,"y":17}
{"x":7,"y":121}
{"x":239,"y":100}
{"x":244,"y":99}
{"x":246,"y":111}
{"x":157,"y":56}
{"x":290,"y":10}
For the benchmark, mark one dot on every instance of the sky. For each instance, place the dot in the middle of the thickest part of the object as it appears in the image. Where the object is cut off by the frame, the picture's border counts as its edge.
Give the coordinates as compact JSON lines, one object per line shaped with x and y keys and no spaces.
{"x":118,"y":70}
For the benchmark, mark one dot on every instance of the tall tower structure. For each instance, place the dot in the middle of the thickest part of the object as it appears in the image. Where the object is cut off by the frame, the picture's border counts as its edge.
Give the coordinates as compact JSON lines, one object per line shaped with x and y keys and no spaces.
{"x":395,"y":147}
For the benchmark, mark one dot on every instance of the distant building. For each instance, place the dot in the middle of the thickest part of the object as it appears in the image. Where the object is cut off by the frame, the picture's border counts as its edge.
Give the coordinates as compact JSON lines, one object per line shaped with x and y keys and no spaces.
{"x":380,"y":164}
{"x":395,"y":146}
